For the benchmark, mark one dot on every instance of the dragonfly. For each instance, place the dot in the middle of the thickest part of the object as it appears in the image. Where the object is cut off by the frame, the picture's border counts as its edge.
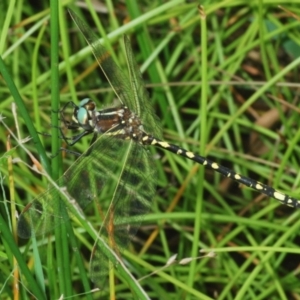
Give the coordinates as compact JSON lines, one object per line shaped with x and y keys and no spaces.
{"x":118,"y":162}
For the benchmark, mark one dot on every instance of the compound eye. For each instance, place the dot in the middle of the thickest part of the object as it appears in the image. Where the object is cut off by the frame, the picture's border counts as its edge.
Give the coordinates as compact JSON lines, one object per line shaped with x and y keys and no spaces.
{"x":82,"y":116}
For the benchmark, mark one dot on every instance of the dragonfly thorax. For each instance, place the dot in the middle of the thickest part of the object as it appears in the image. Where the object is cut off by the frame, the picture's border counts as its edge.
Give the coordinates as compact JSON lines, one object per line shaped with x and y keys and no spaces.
{"x":120,"y":122}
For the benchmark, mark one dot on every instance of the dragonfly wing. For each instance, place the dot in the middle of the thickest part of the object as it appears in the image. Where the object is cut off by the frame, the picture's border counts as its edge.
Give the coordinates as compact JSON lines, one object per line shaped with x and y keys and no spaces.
{"x":140,"y":95}
{"x":39,"y":216}
{"x":134,"y":190}
{"x":83,"y":183}
{"x":112,"y":72}
{"x":130,"y":90}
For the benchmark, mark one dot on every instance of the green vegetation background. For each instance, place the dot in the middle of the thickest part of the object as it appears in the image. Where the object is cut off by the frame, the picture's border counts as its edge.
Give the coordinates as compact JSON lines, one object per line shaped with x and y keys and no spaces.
{"x":224,"y":82}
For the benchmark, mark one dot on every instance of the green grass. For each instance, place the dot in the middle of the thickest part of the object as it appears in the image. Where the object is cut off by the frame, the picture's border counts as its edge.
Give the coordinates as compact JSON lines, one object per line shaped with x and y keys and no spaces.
{"x":224,"y":86}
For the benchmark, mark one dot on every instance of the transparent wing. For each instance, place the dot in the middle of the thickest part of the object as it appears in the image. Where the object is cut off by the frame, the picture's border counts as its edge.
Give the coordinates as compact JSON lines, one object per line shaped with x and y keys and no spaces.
{"x":112,"y":72}
{"x":143,"y":105}
{"x":40,"y":216}
{"x":130,"y":90}
{"x":119,"y":176}
{"x":133,"y":191}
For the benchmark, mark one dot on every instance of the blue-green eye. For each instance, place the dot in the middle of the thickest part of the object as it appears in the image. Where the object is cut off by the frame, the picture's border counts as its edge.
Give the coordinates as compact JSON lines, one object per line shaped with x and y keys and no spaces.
{"x":82,"y":115}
